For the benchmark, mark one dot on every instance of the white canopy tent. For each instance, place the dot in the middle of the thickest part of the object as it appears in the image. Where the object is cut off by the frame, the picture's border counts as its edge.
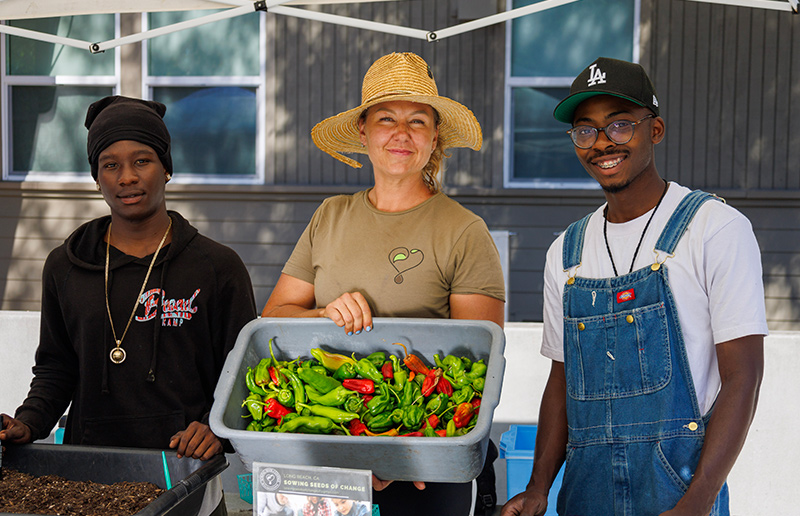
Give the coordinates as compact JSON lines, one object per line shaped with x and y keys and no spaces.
{"x":24,"y":9}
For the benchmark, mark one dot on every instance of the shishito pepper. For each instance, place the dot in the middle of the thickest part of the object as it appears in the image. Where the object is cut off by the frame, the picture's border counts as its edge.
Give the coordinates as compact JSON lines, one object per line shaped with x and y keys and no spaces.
{"x":463,"y":395}
{"x":251,"y":383}
{"x":255,"y":406}
{"x":368,"y":370}
{"x":297,"y":385}
{"x":478,"y":384}
{"x":380,"y":423}
{"x":308,"y":424}
{"x":411,"y":392}
{"x":478,"y":370}
{"x":399,"y":375}
{"x":345,"y":372}
{"x":321,"y":382}
{"x":380,"y":403}
{"x":377,"y":358}
{"x":334,"y":414}
{"x":437,"y":404}
{"x":285,"y":397}
{"x":352,"y":403}
{"x":413,"y":362}
{"x":333,"y":398}
{"x":463,"y":414}
{"x":261,"y":373}
{"x":330,"y":361}
{"x":413,"y":417}
{"x":359,"y":385}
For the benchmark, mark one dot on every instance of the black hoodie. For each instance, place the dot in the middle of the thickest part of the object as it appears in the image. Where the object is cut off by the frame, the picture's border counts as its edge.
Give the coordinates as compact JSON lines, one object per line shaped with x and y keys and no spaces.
{"x":198,"y":297}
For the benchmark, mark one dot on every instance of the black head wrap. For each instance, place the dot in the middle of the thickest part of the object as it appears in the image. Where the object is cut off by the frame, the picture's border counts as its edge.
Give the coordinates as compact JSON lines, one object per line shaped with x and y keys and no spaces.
{"x":116,"y":118}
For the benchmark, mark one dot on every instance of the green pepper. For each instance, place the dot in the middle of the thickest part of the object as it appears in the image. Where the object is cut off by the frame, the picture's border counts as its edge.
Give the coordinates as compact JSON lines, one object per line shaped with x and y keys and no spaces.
{"x":397,"y":416}
{"x":331,"y":361}
{"x":478,"y":384}
{"x":334,"y":414}
{"x":261,"y":374}
{"x":297,"y":385}
{"x":253,"y":426}
{"x":308,"y":424}
{"x":437,"y":404}
{"x":255,"y":406}
{"x":412,"y":417}
{"x":478,"y":370}
{"x":466,"y":362}
{"x":411,"y":392}
{"x":400,"y":374}
{"x":382,"y":402}
{"x":317,"y":368}
{"x":346,"y":371}
{"x":333,"y":398}
{"x":377,"y":358}
{"x":380,"y":423}
{"x":428,"y":430}
{"x":451,"y":428}
{"x":249,"y":380}
{"x":463,"y":395}
{"x":459,"y":381}
{"x":368,"y":370}
{"x":286,"y":397}
{"x":323,"y":383}
{"x":353,"y":403}
{"x":438,"y":362}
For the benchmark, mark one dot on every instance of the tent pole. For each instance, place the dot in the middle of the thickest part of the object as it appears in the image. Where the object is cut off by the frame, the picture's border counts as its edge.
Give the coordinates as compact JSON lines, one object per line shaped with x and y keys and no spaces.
{"x":169,"y":29}
{"x":757,"y":4}
{"x":350,"y":22}
{"x":41,"y":36}
{"x":497,"y":18}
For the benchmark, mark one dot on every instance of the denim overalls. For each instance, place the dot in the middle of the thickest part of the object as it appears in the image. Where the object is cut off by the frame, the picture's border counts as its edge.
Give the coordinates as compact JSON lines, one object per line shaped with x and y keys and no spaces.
{"x":635,"y":429}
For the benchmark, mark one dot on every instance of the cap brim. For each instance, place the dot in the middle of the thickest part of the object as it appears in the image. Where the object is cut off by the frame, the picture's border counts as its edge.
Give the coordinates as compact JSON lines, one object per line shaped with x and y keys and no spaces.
{"x":565,"y":110}
{"x":338,"y":134}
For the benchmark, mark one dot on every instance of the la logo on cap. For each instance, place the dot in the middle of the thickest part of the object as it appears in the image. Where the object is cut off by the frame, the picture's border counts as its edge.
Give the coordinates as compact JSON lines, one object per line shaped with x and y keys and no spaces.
{"x":596,"y":76}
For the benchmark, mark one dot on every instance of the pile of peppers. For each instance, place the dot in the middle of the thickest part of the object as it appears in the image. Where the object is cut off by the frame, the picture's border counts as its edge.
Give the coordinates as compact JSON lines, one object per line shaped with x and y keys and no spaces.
{"x":378,"y":394}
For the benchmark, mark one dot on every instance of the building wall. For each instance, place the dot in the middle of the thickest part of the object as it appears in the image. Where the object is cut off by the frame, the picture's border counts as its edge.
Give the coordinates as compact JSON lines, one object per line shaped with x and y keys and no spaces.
{"x":729,"y":80}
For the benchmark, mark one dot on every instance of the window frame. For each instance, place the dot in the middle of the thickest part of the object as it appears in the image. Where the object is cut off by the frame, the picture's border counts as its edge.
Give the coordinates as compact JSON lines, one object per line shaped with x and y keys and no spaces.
{"x":511,"y":82}
{"x":150,"y":82}
{"x":9,"y":81}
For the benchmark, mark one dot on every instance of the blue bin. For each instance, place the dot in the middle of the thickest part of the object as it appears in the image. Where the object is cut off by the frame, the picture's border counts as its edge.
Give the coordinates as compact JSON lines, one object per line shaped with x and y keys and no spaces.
{"x":516,"y":446}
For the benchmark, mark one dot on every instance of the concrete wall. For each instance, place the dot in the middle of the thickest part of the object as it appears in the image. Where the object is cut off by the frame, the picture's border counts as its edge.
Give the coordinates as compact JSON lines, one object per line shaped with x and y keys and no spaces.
{"x":762,"y":482}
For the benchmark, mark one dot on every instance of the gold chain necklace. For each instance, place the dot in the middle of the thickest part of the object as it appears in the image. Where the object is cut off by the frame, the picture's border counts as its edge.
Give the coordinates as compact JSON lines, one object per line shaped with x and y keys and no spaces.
{"x":118,"y":354}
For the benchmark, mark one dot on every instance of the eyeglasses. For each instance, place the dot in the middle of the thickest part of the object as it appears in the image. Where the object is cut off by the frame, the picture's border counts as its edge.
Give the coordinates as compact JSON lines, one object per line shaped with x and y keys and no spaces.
{"x":619,"y":132}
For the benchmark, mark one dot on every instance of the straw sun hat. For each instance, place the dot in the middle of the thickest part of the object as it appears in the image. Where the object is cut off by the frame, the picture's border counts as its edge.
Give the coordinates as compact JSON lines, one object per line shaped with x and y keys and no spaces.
{"x":398,"y":76}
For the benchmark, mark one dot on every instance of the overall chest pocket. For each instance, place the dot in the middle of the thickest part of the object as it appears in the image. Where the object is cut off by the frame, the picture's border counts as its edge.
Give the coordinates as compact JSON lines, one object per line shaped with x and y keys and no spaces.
{"x":617,"y":355}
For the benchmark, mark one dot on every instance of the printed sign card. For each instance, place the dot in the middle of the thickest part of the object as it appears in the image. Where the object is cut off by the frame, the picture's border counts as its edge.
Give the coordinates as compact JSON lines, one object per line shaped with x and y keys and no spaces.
{"x":281,"y":490}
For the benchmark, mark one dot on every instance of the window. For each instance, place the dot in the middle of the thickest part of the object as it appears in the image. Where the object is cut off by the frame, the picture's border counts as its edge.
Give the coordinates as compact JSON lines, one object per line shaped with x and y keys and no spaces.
{"x":210,"y":78}
{"x":46,"y":90}
{"x":545,"y":51}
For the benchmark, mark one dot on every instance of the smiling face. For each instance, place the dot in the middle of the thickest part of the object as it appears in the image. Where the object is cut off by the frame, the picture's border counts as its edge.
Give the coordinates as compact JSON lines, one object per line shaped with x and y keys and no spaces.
{"x":132,"y":180}
{"x":399,"y":137}
{"x":615,"y":166}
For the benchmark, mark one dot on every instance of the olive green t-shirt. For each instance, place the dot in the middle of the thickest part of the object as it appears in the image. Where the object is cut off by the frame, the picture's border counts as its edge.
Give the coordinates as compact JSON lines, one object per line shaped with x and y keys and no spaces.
{"x":406,"y":264}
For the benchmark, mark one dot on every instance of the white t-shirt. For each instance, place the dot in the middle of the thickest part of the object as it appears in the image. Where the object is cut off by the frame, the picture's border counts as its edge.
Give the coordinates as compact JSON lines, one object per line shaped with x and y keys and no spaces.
{"x":715,"y":277}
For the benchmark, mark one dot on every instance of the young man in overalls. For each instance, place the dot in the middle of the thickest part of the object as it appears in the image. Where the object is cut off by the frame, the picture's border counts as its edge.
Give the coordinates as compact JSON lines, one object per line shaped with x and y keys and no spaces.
{"x":654,"y":319}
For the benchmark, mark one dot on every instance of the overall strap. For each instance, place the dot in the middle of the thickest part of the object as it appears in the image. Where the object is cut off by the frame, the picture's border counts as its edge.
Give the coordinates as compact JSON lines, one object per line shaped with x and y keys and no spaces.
{"x":573,"y":242}
{"x":680,"y":219}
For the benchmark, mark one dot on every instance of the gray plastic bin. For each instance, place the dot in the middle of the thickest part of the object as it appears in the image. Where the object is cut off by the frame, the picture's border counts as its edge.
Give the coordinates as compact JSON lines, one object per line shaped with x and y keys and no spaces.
{"x":428,"y":459}
{"x":109,"y":465}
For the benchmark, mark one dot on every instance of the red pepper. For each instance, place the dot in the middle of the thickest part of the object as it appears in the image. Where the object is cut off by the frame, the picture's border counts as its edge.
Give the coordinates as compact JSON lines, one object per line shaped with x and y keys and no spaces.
{"x":387,"y":371}
{"x":444,"y":386}
{"x":275,"y":409}
{"x":365,"y":399}
{"x":273,"y":375}
{"x":412,"y":434}
{"x":463,"y":414}
{"x":356,"y":427}
{"x":359,"y":385}
{"x":433,"y":420}
{"x":431,"y":381}
{"x":441,"y":433}
{"x":413,"y":362}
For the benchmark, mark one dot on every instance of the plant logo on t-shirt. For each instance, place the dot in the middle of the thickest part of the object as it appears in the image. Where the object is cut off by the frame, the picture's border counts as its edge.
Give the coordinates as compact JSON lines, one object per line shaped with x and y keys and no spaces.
{"x":174,"y":312}
{"x":404,"y":260}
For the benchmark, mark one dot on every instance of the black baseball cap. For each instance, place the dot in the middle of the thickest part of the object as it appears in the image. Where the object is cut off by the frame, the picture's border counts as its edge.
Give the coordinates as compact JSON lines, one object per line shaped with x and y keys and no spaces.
{"x":607,"y":76}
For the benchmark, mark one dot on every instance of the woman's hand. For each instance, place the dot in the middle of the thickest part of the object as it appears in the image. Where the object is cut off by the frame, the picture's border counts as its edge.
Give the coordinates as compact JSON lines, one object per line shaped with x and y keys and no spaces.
{"x":350,"y":311}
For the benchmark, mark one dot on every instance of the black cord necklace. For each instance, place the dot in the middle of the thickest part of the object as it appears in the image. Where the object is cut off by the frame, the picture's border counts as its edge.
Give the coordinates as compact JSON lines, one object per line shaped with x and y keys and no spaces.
{"x":605,"y":231}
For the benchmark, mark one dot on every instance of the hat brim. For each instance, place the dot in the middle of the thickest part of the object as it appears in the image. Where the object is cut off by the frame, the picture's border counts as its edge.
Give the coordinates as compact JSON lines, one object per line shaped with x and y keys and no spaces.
{"x":565,"y":110}
{"x":339,"y":134}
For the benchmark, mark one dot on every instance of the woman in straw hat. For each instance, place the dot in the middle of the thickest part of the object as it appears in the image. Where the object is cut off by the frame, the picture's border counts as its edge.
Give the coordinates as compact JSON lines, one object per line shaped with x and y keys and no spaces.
{"x":401,"y":248}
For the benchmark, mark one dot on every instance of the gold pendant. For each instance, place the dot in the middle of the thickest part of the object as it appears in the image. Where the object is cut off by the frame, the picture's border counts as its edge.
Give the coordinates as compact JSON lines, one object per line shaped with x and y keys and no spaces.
{"x":117,"y":355}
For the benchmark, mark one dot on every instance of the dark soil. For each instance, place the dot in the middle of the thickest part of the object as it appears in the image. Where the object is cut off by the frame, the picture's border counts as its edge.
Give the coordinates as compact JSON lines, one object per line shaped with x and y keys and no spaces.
{"x":21,"y":493}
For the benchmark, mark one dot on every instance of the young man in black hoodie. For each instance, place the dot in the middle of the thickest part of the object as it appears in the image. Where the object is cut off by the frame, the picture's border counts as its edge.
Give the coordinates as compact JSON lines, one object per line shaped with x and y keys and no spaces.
{"x":139,"y":310}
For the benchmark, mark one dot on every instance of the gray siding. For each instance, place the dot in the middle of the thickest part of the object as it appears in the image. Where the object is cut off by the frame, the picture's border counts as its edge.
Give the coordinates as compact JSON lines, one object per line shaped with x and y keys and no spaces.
{"x":729,"y":82}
